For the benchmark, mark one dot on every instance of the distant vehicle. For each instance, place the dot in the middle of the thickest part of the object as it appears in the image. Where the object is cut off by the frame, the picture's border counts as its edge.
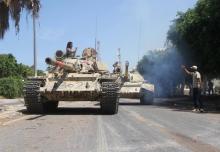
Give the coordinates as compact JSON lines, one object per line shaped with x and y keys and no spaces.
{"x":133,"y":85}
{"x":72,"y":79}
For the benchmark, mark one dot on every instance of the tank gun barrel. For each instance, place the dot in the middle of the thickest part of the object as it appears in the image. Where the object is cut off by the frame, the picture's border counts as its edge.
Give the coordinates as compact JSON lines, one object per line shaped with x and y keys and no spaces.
{"x":59,"y":64}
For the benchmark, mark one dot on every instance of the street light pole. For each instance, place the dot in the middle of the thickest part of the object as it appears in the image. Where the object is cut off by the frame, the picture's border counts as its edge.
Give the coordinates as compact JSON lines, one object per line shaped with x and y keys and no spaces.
{"x":34,"y":41}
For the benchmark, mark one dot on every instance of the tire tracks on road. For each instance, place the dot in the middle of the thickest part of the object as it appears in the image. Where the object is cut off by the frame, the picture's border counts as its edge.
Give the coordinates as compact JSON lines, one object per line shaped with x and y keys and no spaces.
{"x":188,"y":142}
{"x":102,"y":145}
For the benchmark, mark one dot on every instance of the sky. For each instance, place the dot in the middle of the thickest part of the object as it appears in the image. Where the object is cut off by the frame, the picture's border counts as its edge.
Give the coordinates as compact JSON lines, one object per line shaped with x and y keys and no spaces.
{"x":134,"y":26}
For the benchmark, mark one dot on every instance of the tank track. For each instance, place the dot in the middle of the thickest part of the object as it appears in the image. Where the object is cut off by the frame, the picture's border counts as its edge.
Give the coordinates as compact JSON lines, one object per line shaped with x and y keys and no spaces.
{"x":32,"y":97}
{"x":109,"y":98}
{"x":146,"y":98}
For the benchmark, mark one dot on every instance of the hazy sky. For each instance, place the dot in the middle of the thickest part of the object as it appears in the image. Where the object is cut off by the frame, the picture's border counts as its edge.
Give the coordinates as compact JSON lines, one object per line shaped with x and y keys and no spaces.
{"x":126,"y":24}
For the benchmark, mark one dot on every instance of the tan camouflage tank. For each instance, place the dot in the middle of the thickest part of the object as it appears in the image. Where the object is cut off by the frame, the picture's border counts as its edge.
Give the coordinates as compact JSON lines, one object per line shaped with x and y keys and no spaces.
{"x":133,"y":85}
{"x":72,"y":79}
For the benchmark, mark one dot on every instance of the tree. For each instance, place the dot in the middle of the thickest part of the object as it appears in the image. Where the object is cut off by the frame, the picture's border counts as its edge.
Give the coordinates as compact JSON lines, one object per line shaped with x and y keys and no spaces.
{"x":10,"y":68}
{"x":13,"y":9}
{"x":196,"y":35}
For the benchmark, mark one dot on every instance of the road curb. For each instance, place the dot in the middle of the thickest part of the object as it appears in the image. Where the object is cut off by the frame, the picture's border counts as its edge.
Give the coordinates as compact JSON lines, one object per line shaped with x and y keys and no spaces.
{"x":11,"y":101}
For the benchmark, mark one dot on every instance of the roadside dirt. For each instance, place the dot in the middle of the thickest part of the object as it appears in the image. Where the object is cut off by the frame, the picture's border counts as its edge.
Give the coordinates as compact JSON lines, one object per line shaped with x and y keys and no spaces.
{"x":10,"y":112}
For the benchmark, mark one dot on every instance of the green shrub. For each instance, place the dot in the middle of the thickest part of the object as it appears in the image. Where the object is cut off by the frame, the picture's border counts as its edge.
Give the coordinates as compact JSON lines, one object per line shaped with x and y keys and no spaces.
{"x":11,"y":75}
{"x":11,"y":87}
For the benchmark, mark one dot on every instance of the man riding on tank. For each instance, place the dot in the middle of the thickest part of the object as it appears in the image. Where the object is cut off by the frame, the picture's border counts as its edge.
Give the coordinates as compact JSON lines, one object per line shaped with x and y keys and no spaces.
{"x":70,"y":51}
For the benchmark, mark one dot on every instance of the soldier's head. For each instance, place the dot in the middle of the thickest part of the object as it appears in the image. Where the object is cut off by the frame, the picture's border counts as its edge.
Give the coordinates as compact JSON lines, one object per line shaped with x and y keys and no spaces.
{"x":194,"y":68}
{"x":59,"y":55}
{"x":69,"y":44}
{"x":115,"y":64}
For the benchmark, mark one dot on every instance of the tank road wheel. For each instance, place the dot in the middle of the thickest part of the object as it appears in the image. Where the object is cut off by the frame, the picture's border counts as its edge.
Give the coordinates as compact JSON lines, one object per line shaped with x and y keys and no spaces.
{"x":146,"y":98}
{"x":109,"y":100}
{"x":32,"y":97}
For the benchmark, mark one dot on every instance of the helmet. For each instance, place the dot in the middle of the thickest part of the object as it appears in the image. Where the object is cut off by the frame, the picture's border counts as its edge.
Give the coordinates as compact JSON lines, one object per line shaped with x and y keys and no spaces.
{"x":194,"y":67}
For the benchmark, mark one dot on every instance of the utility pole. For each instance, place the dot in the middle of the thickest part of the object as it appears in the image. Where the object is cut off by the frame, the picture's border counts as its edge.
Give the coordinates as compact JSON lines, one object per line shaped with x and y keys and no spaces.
{"x":34,"y":39}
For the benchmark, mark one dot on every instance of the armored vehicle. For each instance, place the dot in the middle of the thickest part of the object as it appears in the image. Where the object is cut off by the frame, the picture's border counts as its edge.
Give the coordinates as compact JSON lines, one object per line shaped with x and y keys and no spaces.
{"x":133,"y":85}
{"x":72,"y":79}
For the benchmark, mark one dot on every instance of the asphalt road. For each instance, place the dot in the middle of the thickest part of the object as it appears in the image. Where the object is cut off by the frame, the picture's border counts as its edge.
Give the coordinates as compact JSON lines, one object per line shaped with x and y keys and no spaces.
{"x":79,"y":127}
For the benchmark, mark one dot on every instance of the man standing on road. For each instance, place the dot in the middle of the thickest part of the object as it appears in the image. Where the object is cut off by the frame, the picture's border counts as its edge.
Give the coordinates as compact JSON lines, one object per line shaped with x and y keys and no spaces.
{"x":196,"y":77}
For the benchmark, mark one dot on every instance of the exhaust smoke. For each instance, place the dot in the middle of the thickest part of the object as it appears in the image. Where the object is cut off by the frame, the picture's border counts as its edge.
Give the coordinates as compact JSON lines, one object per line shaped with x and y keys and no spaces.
{"x":162,"y":68}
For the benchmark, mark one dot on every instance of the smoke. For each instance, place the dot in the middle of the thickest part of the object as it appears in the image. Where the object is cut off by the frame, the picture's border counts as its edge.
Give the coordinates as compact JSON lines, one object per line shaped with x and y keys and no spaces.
{"x":163,"y":69}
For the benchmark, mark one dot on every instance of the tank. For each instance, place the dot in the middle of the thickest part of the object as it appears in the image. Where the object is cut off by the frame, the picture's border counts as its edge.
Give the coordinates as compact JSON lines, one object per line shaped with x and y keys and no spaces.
{"x":133,"y":85}
{"x":72,"y":79}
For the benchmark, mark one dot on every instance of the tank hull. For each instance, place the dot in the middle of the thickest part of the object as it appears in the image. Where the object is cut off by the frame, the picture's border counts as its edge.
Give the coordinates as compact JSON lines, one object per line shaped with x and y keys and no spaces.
{"x":138,"y":90}
{"x":71,"y":95}
{"x":67,"y":90}
{"x":130,"y":92}
{"x":134,"y":92}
